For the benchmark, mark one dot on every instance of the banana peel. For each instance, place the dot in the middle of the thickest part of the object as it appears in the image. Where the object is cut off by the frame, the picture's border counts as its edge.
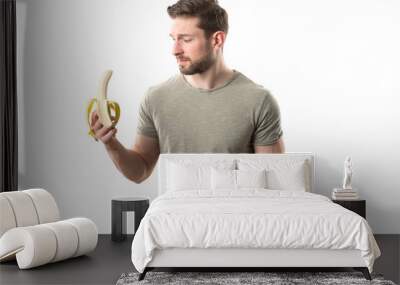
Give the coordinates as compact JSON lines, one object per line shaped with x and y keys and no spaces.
{"x":108,"y":111}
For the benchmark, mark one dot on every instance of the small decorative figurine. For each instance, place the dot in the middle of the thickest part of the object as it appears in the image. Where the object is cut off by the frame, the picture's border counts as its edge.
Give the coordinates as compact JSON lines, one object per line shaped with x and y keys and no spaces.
{"x":348,"y":172}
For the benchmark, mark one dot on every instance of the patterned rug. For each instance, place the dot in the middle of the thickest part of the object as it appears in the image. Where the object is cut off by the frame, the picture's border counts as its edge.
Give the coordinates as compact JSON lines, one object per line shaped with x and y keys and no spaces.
{"x":243,"y":278}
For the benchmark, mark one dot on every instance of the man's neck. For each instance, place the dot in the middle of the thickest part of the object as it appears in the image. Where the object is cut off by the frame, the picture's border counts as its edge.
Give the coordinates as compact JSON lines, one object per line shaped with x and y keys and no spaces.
{"x":214,"y":77}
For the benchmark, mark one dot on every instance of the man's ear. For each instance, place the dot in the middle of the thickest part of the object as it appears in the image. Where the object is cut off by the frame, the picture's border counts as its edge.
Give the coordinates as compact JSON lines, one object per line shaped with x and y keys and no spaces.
{"x":218,"y":39}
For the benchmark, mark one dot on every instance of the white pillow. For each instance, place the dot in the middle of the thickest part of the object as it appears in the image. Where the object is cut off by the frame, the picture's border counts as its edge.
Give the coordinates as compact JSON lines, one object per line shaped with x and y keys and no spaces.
{"x":284,"y":174}
{"x":251,"y":178}
{"x":227,"y":179}
{"x":223,"y":179}
{"x":189,"y":174}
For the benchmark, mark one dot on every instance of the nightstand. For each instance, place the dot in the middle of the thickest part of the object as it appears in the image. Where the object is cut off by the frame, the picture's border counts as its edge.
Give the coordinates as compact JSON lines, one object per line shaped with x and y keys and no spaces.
{"x":119,"y":207}
{"x":357,"y":206}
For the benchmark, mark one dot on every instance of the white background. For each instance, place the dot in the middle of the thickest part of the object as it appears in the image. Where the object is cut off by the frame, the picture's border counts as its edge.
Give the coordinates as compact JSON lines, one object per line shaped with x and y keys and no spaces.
{"x":333,"y":66}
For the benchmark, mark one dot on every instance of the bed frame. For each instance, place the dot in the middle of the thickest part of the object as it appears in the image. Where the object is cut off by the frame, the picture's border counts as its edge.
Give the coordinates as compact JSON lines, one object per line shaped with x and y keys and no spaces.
{"x":240,"y":259}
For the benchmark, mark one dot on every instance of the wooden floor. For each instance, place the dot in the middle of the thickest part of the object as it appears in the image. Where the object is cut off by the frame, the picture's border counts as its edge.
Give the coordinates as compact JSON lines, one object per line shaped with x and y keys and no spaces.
{"x":111,"y":259}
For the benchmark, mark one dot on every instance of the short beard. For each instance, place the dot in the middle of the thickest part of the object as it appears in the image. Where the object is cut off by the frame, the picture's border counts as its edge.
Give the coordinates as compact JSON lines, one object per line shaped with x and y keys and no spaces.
{"x":200,"y":66}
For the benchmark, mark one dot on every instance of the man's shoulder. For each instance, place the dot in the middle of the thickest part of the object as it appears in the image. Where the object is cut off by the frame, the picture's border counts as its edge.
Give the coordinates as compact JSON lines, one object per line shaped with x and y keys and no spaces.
{"x":164,"y":86}
{"x":252,"y":88}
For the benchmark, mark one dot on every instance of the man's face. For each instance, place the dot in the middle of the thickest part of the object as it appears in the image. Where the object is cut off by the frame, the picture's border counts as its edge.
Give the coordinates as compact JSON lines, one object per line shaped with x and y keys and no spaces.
{"x":193,"y":52}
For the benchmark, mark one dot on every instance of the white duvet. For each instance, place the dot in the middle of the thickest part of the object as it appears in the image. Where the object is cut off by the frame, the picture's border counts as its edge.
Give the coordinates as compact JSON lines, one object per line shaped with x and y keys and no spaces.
{"x":251,"y":218}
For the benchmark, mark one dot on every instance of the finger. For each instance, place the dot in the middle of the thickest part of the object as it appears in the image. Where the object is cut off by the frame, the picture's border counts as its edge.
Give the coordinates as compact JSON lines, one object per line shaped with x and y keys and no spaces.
{"x":103,"y":131}
{"x":93,"y":118}
{"x":97,"y":126}
{"x":108,"y":136}
{"x":94,"y":121}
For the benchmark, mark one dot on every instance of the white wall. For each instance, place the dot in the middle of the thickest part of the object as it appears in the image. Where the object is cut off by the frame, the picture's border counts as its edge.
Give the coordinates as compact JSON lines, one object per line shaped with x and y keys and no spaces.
{"x":333,"y":66}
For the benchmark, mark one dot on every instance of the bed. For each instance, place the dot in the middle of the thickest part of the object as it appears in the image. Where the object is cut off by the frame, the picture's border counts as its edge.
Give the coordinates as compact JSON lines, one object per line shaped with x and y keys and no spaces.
{"x":247,"y":210}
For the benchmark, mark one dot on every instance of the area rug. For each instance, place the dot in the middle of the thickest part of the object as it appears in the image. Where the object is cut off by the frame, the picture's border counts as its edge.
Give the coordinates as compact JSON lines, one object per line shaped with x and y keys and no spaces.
{"x":243,"y":278}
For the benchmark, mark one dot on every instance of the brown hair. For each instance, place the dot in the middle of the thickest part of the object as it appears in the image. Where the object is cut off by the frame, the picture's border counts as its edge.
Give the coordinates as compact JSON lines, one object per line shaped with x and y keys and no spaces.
{"x":212,"y":17}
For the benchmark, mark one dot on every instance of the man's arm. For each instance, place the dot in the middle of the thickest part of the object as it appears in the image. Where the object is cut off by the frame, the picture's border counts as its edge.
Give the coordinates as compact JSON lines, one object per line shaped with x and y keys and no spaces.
{"x":277,"y":147}
{"x":136,"y":163}
{"x":149,"y":150}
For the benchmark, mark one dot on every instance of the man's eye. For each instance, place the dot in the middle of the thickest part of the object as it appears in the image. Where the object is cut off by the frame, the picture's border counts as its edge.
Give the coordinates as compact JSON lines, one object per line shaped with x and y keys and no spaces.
{"x":186,"y":41}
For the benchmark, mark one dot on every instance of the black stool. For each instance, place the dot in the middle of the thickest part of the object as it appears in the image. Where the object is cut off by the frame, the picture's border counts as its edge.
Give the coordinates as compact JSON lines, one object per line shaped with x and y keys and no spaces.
{"x":119,"y":207}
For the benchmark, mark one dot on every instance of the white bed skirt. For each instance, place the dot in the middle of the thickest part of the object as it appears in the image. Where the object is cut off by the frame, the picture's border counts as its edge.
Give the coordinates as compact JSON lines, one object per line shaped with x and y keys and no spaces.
{"x":236,"y":257}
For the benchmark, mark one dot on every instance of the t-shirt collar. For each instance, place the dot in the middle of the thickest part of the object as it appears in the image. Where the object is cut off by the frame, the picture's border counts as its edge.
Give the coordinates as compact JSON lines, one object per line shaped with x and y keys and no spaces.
{"x":235,"y":75}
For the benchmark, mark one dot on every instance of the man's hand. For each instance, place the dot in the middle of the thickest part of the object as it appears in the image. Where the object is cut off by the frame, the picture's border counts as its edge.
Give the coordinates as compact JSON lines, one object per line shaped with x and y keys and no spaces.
{"x":101,"y":133}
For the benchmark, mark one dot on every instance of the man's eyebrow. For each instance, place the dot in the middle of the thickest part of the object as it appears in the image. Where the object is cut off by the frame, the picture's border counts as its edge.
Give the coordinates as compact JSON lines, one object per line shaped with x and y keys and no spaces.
{"x":182,"y":35}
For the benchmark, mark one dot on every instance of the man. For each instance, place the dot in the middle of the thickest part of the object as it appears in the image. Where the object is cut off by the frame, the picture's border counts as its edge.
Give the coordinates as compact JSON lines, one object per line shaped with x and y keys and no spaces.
{"x":206,"y":108}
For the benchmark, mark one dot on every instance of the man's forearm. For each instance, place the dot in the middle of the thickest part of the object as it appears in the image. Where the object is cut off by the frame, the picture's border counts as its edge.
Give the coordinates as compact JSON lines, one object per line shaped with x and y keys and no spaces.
{"x":128,"y":162}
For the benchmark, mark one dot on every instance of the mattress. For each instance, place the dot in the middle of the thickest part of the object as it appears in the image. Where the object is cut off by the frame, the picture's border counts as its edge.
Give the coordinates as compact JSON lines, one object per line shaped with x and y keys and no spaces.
{"x":250,"y":218}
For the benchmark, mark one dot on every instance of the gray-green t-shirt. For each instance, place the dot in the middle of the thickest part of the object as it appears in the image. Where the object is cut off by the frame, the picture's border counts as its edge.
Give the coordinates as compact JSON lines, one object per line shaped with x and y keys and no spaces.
{"x":231,"y":118}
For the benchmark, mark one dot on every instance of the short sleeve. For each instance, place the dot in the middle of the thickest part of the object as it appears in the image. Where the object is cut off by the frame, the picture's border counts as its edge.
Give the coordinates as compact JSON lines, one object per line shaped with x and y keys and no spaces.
{"x":268,"y":122}
{"x":145,"y":120}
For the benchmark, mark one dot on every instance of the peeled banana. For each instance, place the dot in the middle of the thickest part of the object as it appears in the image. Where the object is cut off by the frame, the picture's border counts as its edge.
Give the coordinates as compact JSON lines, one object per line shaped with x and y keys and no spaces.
{"x":108,"y":111}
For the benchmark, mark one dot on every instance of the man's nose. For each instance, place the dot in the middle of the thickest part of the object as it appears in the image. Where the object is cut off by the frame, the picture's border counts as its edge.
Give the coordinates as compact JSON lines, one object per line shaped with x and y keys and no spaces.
{"x":176,"y":49}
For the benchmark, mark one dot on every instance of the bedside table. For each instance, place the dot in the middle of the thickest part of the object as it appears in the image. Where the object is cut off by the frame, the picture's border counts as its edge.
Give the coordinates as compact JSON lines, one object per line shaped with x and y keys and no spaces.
{"x":357,"y":206}
{"x":119,"y":207}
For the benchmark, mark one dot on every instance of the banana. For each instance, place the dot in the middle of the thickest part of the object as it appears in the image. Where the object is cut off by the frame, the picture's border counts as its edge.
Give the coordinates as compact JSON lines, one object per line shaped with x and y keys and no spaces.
{"x":108,"y":111}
